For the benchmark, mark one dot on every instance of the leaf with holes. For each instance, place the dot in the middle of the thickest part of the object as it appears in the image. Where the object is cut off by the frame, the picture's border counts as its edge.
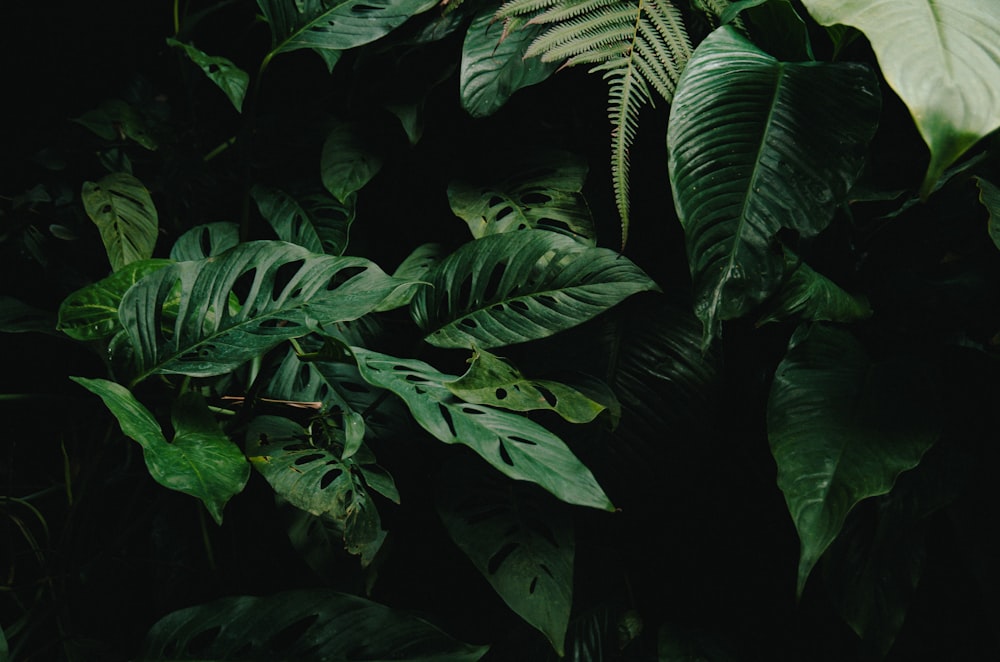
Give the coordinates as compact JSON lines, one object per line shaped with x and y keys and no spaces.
{"x":520,"y":539}
{"x":124,"y":213}
{"x":520,"y":286}
{"x":205,"y":240}
{"x":810,"y":296}
{"x":306,"y":469}
{"x":518,"y":447}
{"x":542,"y":192}
{"x":351,"y":157}
{"x":201,"y":460}
{"x":755,"y":146}
{"x":91,"y":313}
{"x":493,"y":381}
{"x":310,"y":625}
{"x":229,"y":78}
{"x":414,"y":268}
{"x":989,"y":196}
{"x":283,"y":291}
{"x":842,"y":427}
{"x":314,"y":221}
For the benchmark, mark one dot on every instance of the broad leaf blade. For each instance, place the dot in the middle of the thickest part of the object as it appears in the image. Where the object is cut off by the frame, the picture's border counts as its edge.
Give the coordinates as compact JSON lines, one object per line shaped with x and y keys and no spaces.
{"x":519,"y":539}
{"x":757,"y":145}
{"x":229,"y":78}
{"x":124,"y":213}
{"x":513,"y":444}
{"x":842,"y":427}
{"x":205,"y":240}
{"x":810,"y":296}
{"x":314,"y":221}
{"x":519,"y":286}
{"x":336,"y":626}
{"x":201,"y":461}
{"x":351,"y":157}
{"x":942,"y":57}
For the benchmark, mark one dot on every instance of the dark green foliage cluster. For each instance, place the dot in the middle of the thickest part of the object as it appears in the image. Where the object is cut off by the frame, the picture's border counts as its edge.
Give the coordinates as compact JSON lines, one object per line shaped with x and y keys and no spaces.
{"x":332,"y":332}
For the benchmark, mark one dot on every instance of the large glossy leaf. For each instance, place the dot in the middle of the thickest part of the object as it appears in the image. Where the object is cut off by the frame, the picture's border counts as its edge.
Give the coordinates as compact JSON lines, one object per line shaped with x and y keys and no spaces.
{"x":351,"y":157}
{"x":314,"y":221}
{"x":842,"y":427}
{"x":542,"y":192}
{"x":521,"y":540}
{"x":205,"y":240}
{"x":229,"y":78}
{"x":942,"y":57}
{"x":810,"y":296}
{"x":493,"y":64}
{"x":519,"y":286}
{"x":200,"y":461}
{"x":124,"y":213}
{"x":283,"y":290}
{"x":327,"y":625}
{"x":515,"y":445}
{"x":91,"y":313}
{"x":757,"y":145}
{"x":989,"y":195}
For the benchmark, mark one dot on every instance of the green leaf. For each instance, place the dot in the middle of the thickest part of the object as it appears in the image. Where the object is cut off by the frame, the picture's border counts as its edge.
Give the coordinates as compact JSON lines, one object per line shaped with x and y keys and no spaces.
{"x":519,"y":286}
{"x":283,"y":291}
{"x":492,"y":381}
{"x":91,"y":313}
{"x":942,"y":57}
{"x":4,"y":648}
{"x":330,"y":626}
{"x":116,"y":120}
{"x":334,"y":25}
{"x":521,"y":541}
{"x":124,"y":213}
{"x":493,"y":63}
{"x":518,"y":447}
{"x":842,"y":427}
{"x":757,"y":145}
{"x":543,"y":191}
{"x":18,"y":317}
{"x":201,"y":460}
{"x":350,"y":159}
{"x":314,"y":221}
{"x":229,"y":78}
{"x":205,"y":240}
{"x":989,"y":196}
{"x":307,"y":469}
{"x":779,"y":29}
{"x":811,"y":296}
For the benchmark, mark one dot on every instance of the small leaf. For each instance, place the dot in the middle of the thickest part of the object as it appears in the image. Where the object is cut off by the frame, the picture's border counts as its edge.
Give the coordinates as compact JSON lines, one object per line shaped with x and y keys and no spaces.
{"x":124,"y":213}
{"x":201,"y":461}
{"x":811,"y":296}
{"x":515,"y":445}
{"x":842,"y":427}
{"x":229,"y":78}
{"x":492,"y":381}
{"x":350,"y":159}
{"x":314,"y":221}
{"x":116,"y":120}
{"x":989,"y":195}
{"x":204,"y":241}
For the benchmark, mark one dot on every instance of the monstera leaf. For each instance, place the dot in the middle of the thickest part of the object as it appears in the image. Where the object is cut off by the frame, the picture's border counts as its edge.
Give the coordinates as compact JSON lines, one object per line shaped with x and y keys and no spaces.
{"x":942,"y":57}
{"x":515,"y":445}
{"x":283,"y":290}
{"x":842,"y":427}
{"x":123,"y":211}
{"x":201,"y":460}
{"x":327,"y":626}
{"x":204,"y":241}
{"x":229,"y":78}
{"x":493,"y":63}
{"x":521,"y":540}
{"x":314,"y":221}
{"x":519,"y":286}
{"x":755,"y":146}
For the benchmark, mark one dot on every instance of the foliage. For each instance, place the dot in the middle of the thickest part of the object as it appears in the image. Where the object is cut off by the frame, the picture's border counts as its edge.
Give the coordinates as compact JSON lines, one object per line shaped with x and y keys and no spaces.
{"x":374,"y":311}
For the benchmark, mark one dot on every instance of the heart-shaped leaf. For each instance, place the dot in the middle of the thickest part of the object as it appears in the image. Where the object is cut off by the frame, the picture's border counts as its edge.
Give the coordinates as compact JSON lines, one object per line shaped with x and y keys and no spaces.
{"x":124,"y":213}
{"x":201,"y":460}
{"x":314,"y":221}
{"x":519,"y":286}
{"x":757,"y":145}
{"x":283,"y":290}
{"x":521,"y":540}
{"x":942,"y":57}
{"x":205,"y":240}
{"x":328,"y":625}
{"x":229,"y":78}
{"x":842,"y":427}
{"x":515,"y":445}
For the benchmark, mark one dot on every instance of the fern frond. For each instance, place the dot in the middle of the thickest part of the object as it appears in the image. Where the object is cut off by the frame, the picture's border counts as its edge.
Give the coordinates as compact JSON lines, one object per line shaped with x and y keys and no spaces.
{"x":638,"y":45}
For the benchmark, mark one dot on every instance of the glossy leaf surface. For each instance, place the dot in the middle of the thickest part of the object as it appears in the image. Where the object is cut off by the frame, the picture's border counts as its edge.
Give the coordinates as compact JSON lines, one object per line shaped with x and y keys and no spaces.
{"x":519,"y":286}
{"x":942,"y":57}
{"x":124,"y":213}
{"x":842,"y":427}
{"x":314,"y":221}
{"x":755,"y":146}
{"x":204,"y":241}
{"x":229,"y":78}
{"x":200,"y":461}
{"x":516,"y":446}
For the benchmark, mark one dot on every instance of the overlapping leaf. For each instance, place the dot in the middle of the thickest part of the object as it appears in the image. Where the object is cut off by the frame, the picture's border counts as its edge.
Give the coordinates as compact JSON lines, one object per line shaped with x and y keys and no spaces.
{"x":515,"y":445}
{"x":519,"y":286}
{"x":124,"y":213}
{"x":810,"y":296}
{"x":205,"y":240}
{"x":842,"y":427}
{"x":314,"y":221}
{"x":755,"y":146}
